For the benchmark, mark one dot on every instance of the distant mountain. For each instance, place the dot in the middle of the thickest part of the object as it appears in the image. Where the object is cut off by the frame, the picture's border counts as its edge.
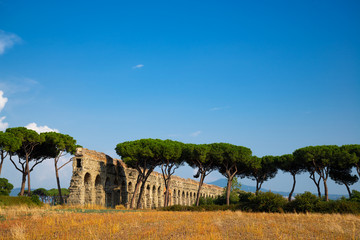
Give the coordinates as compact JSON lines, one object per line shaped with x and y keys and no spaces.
{"x":223,"y":182}
{"x":15,"y":192}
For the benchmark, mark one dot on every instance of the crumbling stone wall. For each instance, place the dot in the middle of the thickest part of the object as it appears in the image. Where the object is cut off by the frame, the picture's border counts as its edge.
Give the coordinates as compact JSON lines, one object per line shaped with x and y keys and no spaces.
{"x":99,"y":179}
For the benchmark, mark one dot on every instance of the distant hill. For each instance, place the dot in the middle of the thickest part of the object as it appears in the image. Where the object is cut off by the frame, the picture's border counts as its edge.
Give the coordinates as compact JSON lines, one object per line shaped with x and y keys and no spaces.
{"x":223,"y":182}
{"x":15,"y":192}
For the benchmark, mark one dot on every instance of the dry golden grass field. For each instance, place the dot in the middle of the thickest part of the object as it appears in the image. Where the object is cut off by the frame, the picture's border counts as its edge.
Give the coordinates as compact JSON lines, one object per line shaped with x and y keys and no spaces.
{"x":71,"y":223}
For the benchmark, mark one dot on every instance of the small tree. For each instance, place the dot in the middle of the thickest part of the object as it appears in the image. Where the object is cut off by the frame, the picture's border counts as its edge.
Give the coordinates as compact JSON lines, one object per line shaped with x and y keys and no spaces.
{"x":261,"y":170}
{"x":29,"y":140}
{"x":57,"y":145}
{"x":230,"y":160}
{"x":5,"y":187}
{"x":8,"y":143}
{"x":171,"y":159}
{"x":197,"y":156}
{"x":143,"y":155}
{"x":288,"y":163}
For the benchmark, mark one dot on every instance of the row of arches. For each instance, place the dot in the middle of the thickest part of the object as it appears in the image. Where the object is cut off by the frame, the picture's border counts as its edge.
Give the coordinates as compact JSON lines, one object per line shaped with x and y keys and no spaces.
{"x":113,"y":192}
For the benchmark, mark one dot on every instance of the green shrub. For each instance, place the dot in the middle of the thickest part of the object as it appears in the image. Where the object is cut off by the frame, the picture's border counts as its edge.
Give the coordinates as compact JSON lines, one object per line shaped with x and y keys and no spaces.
{"x":19,"y":200}
{"x":5,"y":187}
{"x":305,"y":202}
{"x":355,"y":196}
{"x":245,"y":197}
{"x":267,"y":202}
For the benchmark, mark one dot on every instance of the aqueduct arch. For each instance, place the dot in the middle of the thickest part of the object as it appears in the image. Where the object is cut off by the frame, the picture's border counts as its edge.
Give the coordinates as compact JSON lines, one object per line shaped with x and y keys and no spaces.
{"x":99,"y":179}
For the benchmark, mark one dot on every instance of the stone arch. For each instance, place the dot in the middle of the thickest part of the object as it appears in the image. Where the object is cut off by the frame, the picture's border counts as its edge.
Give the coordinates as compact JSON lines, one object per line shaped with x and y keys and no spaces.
{"x":130,"y":191}
{"x":108,"y":195}
{"x":174,"y":197}
{"x":116,"y":193}
{"x":183,"y":198}
{"x":124,"y":193}
{"x":190,"y":199}
{"x":147,"y":202}
{"x":178,"y":202}
{"x":88,"y":188}
{"x":159,"y":196}
{"x":99,"y":191}
{"x":154,"y":198}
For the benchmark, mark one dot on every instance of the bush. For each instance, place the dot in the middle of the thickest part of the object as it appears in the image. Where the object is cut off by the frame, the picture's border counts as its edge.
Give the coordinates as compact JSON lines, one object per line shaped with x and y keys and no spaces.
{"x":5,"y":187}
{"x":20,"y":200}
{"x":305,"y":202}
{"x":267,"y":202}
{"x":355,"y":196}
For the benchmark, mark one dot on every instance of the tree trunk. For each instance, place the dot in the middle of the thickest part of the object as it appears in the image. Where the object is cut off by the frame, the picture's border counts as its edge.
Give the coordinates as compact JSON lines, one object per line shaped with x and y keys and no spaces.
{"x":58,"y":182}
{"x":326,"y":190}
{"x":28,"y":175}
{"x":228,"y":190}
{"x":2,"y":160}
{"x":22,"y":191}
{"x":167,"y":199}
{"x":202,"y":177}
{"x":135,"y":192}
{"x":348,"y":189}
{"x":141,"y":194}
{"x":257,"y":187}
{"x":293,"y":188}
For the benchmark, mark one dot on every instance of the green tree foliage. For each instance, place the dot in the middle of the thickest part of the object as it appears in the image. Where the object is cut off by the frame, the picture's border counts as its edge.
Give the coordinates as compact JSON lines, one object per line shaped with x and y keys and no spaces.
{"x":143,"y":155}
{"x":171,"y":155}
{"x":197,"y":156}
{"x":230,"y":160}
{"x":5,"y":187}
{"x":8,"y":143}
{"x":354,"y":150}
{"x":288,"y":163}
{"x":261,"y":170}
{"x":29,"y":140}
{"x":57,"y":145}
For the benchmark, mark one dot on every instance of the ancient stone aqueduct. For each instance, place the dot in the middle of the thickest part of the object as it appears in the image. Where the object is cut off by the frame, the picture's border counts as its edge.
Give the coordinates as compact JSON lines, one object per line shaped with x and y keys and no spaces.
{"x":99,"y":179}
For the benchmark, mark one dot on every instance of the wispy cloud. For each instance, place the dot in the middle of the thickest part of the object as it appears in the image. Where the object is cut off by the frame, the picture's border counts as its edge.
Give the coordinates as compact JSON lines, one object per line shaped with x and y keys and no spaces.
{"x":40,"y":129}
{"x":195,"y":134}
{"x":218,"y":108}
{"x":12,"y":85}
{"x":7,"y":40}
{"x":3,"y":101}
{"x":138,"y":66}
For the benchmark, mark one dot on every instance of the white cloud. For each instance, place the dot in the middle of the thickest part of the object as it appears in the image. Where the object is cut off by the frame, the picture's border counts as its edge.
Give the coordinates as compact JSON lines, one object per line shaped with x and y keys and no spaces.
{"x":138,"y":66}
{"x":3,"y":100}
{"x":40,"y":129}
{"x":195,"y":134}
{"x":7,"y":40}
{"x":3,"y":125}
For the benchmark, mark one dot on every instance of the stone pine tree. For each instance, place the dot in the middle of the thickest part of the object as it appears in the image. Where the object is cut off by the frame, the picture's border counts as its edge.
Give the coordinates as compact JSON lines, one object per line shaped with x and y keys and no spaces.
{"x":319,"y":160}
{"x":341,"y":169}
{"x":8,"y":143}
{"x":261,"y":170}
{"x":171,"y":159}
{"x":354,"y":150}
{"x":230,"y":160}
{"x":57,"y":145}
{"x":143,"y":155}
{"x":29,"y":140}
{"x":288,"y":163}
{"x":197,"y":156}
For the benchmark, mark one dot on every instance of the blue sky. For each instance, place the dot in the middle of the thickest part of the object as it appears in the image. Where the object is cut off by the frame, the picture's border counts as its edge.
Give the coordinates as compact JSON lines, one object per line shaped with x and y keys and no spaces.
{"x":269,"y":75}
